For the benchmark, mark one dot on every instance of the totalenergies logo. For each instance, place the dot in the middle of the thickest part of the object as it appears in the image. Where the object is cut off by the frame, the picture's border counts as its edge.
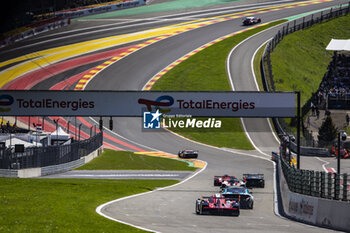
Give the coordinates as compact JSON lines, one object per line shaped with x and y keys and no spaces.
{"x":5,"y":100}
{"x":162,"y":101}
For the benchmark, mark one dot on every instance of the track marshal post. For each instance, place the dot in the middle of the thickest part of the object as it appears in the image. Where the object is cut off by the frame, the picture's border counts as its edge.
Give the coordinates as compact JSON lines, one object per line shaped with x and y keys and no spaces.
{"x":298,"y":129}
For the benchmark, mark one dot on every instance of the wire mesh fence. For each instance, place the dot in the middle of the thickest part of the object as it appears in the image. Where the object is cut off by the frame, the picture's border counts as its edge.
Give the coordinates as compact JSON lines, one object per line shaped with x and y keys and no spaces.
{"x":316,"y":183}
{"x":33,"y":157}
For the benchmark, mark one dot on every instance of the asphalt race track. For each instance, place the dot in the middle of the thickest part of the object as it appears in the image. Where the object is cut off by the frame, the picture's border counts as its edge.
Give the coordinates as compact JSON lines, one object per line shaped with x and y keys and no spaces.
{"x":172,"y":209}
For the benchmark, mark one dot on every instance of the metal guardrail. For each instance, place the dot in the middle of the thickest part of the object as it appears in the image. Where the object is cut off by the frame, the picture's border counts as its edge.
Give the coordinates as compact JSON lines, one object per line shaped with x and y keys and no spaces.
{"x":266,"y":67}
{"x":316,"y":183}
{"x":34,"y":157}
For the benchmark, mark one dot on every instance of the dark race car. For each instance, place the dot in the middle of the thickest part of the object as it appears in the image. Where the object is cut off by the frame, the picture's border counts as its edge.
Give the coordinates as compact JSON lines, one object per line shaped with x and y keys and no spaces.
{"x":254,"y":180}
{"x":188,"y":154}
{"x":251,"y":20}
{"x":227,"y":180}
{"x":217,"y":205}
{"x":246,"y":199}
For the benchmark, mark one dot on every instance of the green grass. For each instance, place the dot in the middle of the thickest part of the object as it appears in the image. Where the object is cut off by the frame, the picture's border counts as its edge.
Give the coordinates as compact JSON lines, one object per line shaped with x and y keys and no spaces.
{"x":64,"y":205}
{"x":206,"y":71}
{"x":300,"y":61}
{"x":230,"y":135}
{"x":124,"y":160}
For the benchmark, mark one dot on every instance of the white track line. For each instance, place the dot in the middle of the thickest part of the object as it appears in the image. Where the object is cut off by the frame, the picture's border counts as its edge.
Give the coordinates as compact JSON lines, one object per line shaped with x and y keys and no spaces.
{"x":257,"y":85}
{"x":99,"y":208}
{"x":243,"y":125}
{"x":323,"y":165}
{"x":232,"y":85}
{"x":273,"y":133}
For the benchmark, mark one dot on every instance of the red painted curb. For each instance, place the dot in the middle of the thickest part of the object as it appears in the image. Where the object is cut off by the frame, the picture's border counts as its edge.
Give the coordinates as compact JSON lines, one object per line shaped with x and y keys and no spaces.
{"x":27,"y":81}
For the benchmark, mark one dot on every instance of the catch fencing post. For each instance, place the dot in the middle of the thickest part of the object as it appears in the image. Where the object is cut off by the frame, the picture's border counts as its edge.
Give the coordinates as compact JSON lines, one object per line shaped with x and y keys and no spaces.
{"x":336,"y":186}
{"x":311,"y":181}
{"x":298,"y":129}
{"x":295,"y":24}
{"x":303,"y":22}
{"x":323,"y":184}
{"x":317,"y":184}
{"x":299,"y":181}
{"x":329,"y":185}
{"x":293,"y":180}
{"x":345,"y":187}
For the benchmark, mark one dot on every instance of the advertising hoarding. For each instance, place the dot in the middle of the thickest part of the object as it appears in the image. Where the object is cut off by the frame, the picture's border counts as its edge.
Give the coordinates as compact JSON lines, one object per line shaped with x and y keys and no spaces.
{"x":134,"y":103}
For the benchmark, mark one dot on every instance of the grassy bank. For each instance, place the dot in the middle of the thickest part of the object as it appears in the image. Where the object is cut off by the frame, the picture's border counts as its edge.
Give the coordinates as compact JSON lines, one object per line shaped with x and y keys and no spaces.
{"x":300,"y":61}
{"x":124,"y":160}
{"x":206,"y":71}
{"x":65,"y":205}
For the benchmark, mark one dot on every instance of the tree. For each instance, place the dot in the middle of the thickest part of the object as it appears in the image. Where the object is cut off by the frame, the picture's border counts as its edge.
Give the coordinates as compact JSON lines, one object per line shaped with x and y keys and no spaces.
{"x":327,"y":133}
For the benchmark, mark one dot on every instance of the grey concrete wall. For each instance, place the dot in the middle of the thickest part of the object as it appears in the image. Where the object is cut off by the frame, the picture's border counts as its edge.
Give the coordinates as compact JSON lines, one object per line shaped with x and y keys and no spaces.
{"x":311,"y":151}
{"x":61,"y":167}
{"x":71,"y":165}
{"x":29,"y":172}
{"x":317,"y":211}
{"x":333,"y":214}
{"x":8,"y":173}
{"x":37,"y":172}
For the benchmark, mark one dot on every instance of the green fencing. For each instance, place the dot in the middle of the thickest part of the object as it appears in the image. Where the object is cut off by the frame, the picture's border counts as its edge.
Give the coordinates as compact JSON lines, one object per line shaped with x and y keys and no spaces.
{"x":316,"y":183}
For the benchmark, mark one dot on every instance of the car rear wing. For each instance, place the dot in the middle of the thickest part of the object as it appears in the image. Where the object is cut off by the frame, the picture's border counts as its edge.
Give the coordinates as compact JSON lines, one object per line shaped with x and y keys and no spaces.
{"x":217,"y":177}
{"x":231,"y":198}
{"x":236,"y":196}
{"x":260,"y":176}
{"x":230,"y":176}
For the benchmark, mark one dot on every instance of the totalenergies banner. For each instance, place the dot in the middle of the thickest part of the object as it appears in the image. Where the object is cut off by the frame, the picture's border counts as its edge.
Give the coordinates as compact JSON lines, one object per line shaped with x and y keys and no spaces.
{"x":135,"y":103}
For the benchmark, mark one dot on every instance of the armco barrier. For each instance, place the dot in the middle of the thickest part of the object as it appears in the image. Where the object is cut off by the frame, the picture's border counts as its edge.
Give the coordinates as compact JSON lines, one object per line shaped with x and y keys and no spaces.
{"x":65,"y":19}
{"x":313,"y":210}
{"x":34,"y":31}
{"x":311,"y":151}
{"x":101,"y":9}
{"x":48,"y":170}
{"x":69,"y":166}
